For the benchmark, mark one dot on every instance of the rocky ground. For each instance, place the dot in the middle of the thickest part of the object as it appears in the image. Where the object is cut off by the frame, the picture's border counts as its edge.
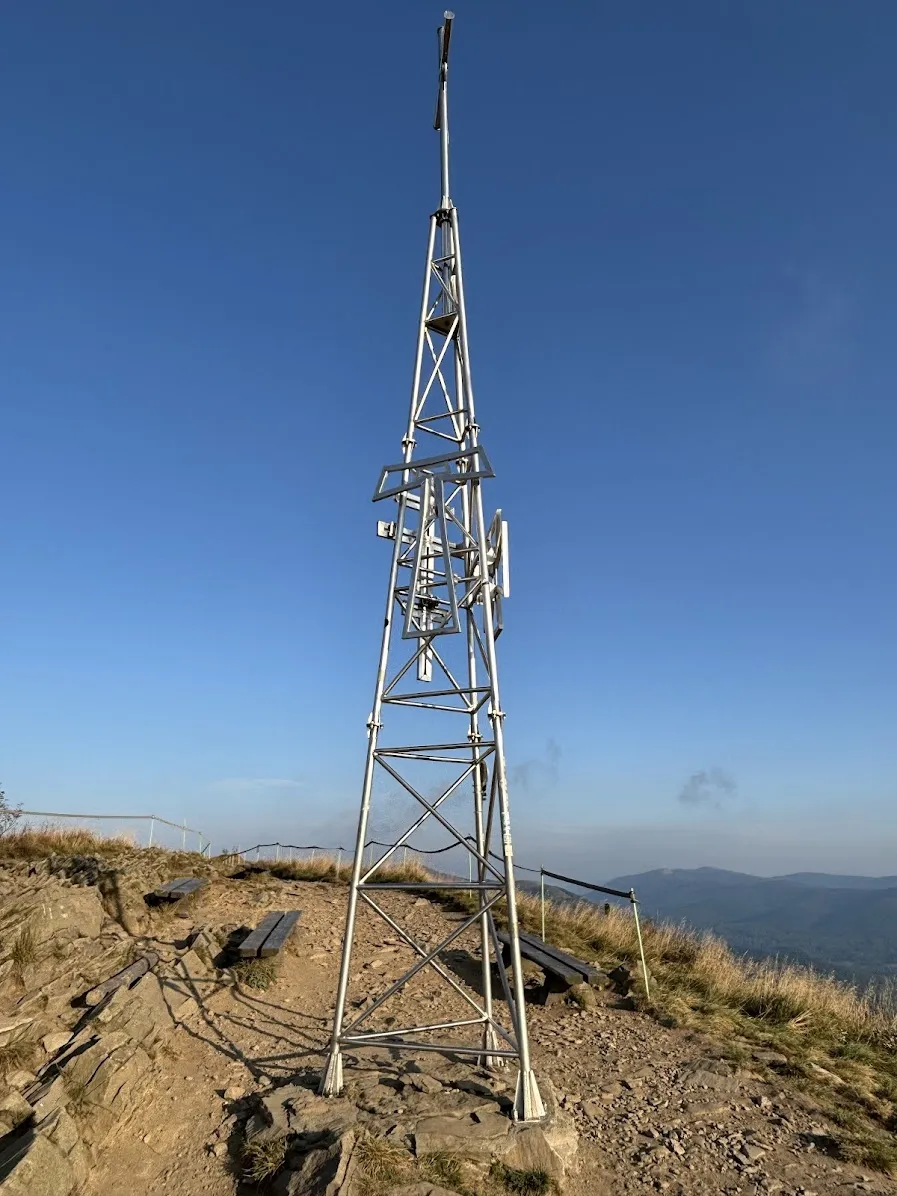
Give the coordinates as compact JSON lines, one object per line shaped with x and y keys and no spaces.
{"x":159,"y":1089}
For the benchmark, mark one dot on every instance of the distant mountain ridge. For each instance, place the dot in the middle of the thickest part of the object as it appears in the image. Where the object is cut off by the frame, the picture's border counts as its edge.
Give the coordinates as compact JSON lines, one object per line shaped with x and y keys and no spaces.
{"x":825,"y":880}
{"x":845,"y":924}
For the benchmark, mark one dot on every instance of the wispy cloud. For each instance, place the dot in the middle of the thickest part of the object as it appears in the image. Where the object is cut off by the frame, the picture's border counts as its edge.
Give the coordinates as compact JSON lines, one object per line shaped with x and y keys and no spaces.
{"x":710,"y":788}
{"x":254,"y":784}
{"x":537,"y":775}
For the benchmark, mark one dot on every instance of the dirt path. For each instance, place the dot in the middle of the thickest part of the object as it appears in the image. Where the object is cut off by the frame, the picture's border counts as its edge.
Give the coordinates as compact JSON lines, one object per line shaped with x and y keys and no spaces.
{"x":658,"y":1109}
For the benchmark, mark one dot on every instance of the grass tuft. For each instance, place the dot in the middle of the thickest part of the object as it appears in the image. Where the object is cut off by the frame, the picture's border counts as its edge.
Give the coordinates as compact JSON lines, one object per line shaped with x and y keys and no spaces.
{"x":381,"y":1165}
{"x":16,"y":1054}
{"x":441,"y":1168}
{"x":76,"y":1100}
{"x":522,"y":1183}
{"x":866,"y":1149}
{"x":263,"y":1158}
{"x":256,"y":973}
{"x":24,"y":949}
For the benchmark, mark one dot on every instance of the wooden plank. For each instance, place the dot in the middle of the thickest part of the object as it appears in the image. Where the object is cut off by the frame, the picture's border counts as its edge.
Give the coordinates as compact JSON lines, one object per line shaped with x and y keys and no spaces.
{"x":174,"y":890}
{"x":279,"y":934}
{"x":563,"y":957}
{"x":548,"y":963}
{"x":191,"y":885}
{"x":126,"y":976}
{"x":251,"y":945}
{"x":167,"y":889}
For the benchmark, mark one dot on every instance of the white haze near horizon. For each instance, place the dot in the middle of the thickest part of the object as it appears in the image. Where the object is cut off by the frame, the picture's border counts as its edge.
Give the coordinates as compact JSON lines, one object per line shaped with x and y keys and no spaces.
{"x":857,"y":842}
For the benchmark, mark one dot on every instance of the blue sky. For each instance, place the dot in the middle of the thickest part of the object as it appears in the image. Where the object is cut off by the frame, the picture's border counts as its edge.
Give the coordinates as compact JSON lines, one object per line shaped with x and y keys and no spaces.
{"x":680,"y":258}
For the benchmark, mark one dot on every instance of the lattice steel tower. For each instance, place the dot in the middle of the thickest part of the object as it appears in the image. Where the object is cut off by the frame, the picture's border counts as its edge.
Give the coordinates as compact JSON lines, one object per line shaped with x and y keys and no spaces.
{"x":443,"y":615}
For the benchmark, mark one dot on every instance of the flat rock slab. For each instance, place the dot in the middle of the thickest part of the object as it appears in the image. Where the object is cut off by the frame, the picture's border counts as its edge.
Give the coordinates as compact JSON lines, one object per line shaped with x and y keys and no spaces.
{"x":714,"y":1074}
{"x":472,"y":1138}
{"x":75,"y":911}
{"x":39,"y":1170}
{"x":294,"y":1109}
{"x":323,"y":1172}
{"x":551,"y":1146}
{"x":55,"y":1042}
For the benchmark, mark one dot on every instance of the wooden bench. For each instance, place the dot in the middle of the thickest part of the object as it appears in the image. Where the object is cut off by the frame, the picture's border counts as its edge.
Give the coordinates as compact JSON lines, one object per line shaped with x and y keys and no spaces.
{"x":270,"y":935}
{"x":560,"y":966}
{"x":181,"y":887}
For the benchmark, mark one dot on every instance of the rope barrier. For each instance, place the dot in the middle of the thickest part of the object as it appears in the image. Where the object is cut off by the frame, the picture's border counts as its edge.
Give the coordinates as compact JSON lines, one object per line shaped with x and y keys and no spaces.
{"x":630,"y":896}
{"x":540,"y":872}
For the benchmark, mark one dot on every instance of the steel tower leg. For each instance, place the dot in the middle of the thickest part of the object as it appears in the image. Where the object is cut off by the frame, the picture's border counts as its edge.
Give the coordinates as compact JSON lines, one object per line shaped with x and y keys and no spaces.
{"x":443,"y":617}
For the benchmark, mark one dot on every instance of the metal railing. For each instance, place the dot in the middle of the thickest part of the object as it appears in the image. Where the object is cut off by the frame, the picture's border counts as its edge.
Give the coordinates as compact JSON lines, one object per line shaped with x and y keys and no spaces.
{"x":203,"y":846}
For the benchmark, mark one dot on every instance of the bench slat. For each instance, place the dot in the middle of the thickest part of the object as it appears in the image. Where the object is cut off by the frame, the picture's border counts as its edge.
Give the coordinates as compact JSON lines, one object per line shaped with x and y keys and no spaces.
{"x":251,"y":945}
{"x":191,"y":885}
{"x":548,"y":963}
{"x":279,"y":934}
{"x":180,"y":887}
{"x":561,"y":956}
{"x":164,"y":890}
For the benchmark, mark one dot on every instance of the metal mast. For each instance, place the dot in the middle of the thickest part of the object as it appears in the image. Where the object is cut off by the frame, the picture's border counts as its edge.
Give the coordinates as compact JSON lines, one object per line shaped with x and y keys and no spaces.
{"x":443,"y":615}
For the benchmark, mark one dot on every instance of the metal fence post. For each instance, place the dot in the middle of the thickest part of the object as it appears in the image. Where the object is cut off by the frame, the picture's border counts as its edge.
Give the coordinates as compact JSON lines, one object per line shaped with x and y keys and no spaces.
{"x":152,"y":826}
{"x":641,"y":946}
{"x":184,"y":836}
{"x":542,"y":897}
{"x":277,"y":853}
{"x":339,"y":856}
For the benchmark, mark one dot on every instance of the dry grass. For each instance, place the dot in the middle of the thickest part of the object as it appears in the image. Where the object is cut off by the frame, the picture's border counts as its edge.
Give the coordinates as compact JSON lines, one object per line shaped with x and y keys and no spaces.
{"x":16,"y":1054}
{"x":522,"y":1183}
{"x":698,"y":971}
{"x":325,"y":868}
{"x":262,"y":1159}
{"x":256,"y":973}
{"x":29,"y":842}
{"x":24,"y":950}
{"x":443,"y":1169}
{"x":381,"y":1164}
{"x":867,"y":1149}
{"x":49,"y":839}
